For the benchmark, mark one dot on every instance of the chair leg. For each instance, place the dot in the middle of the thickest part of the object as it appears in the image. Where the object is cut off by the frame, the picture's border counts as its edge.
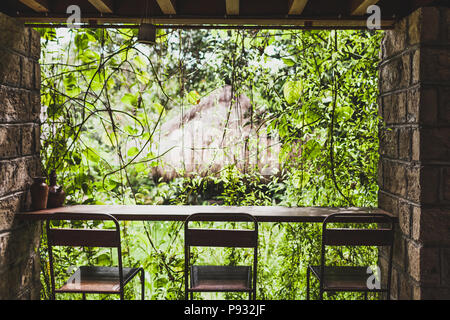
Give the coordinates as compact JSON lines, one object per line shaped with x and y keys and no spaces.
{"x":252,"y":295}
{"x":142,"y":284}
{"x":307,"y":283}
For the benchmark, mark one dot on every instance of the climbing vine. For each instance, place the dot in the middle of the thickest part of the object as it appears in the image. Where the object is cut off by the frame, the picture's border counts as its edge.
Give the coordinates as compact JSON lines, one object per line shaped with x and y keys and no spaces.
{"x":105,"y":97}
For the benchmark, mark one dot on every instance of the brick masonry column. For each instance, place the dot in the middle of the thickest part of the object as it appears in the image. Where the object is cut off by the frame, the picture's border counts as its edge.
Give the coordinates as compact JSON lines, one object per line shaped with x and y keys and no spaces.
{"x":414,"y":168}
{"x":19,"y":158}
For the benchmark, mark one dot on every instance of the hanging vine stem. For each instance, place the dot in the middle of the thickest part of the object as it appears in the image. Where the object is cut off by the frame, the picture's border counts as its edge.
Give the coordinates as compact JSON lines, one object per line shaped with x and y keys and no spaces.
{"x":332,"y":124}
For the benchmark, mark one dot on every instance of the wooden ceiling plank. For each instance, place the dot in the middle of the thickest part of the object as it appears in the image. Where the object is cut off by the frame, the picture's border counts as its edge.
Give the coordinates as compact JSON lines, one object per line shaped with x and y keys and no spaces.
{"x":296,"y":7}
{"x":103,"y":6}
{"x":36,"y":5}
{"x":232,"y":7}
{"x":333,"y":23}
{"x":359,"y":7}
{"x":167,"y":6}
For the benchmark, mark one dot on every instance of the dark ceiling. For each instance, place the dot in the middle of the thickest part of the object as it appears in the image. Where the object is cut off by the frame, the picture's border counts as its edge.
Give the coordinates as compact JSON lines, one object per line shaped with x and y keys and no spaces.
{"x":295,"y":13}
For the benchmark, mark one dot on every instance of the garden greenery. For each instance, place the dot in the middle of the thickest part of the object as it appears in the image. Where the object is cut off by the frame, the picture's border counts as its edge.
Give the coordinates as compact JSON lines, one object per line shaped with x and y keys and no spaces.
{"x":104,"y":97}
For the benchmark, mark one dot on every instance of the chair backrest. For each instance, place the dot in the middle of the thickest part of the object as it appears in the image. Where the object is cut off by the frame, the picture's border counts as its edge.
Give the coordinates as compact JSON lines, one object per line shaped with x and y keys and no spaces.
{"x":242,"y":238}
{"x":236,"y":238}
{"x":358,"y":236}
{"x":382,"y":236}
{"x":69,"y":237}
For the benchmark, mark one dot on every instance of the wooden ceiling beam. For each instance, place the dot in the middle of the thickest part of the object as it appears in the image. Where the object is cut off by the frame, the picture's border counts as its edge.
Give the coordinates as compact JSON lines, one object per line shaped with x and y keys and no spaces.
{"x":37,"y":5}
{"x":167,"y":6}
{"x":232,"y":7}
{"x":359,"y":7}
{"x":103,"y":6}
{"x":357,"y":22}
{"x":296,"y":7}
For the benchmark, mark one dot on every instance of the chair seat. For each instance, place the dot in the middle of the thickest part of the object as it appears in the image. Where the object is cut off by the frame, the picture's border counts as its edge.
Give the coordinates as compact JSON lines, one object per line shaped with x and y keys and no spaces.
{"x":344,"y":278}
{"x":220,"y":278}
{"x":91,"y":279}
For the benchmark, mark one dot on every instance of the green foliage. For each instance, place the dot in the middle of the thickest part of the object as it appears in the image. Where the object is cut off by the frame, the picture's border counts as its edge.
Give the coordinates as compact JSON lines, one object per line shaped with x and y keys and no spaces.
{"x":105,"y":96}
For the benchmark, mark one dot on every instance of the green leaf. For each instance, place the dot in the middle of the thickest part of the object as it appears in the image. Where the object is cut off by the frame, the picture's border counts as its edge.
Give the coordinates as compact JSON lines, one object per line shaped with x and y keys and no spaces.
{"x":91,"y":155}
{"x":132,"y":151}
{"x":292,"y":91}
{"x":344,"y":113}
{"x":288,"y":61}
{"x":129,"y":99}
{"x":193,"y":97}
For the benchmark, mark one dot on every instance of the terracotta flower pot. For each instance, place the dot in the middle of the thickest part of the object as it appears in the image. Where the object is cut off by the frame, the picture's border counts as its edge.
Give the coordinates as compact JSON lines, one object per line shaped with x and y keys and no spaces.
{"x":39,"y":193}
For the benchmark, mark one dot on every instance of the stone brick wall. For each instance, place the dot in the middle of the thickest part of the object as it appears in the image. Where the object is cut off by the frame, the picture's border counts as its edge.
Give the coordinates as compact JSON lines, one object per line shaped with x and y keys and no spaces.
{"x":414,"y":169}
{"x":19,"y":158}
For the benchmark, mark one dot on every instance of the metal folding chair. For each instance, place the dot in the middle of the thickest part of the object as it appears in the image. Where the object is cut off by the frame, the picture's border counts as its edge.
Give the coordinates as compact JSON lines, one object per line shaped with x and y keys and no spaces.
{"x":91,"y":279}
{"x":352,"y":278}
{"x":213,"y":278}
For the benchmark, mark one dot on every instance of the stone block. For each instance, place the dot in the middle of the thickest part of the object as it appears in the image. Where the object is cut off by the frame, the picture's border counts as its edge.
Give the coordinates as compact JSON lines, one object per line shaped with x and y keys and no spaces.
{"x":394,"y":41}
{"x":20,"y":264}
{"x":429,"y":106}
{"x":413,"y":105}
{"x":18,"y":105}
{"x":387,"y":202}
{"x":27,"y":74}
{"x":404,"y":143}
{"x":445,"y":25}
{"x":430,"y":24}
{"x":424,"y":264}
{"x":405,"y":287}
{"x":36,"y":76}
{"x":423,"y":25}
{"x":415,"y":224}
{"x":380,"y":173}
{"x":431,"y":226}
{"x":445,"y":184}
{"x":435,"y":144}
{"x":17,"y":175}
{"x":22,"y":44}
{"x":430,"y":183}
{"x":9,"y":68}
{"x":37,"y":139}
{"x":13,"y":35}
{"x":416,"y":67}
{"x":415,"y":145}
{"x":445,"y":266}
{"x":28,"y":140}
{"x":394,"y":175}
{"x":35,"y":45}
{"x":19,"y":243}
{"x":444,"y":105}
{"x":404,"y":217}
{"x":389,"y":142}
{"x":35,"y":105}
{"x":9,"y":141}
{"x":8,"y":207}
{"x":394,"y":284}
{"x":414,"y":27}
{"x":395,"y":74}
{"x":432,"y":293}
{"x":413,"y":192}
{"x":394,"y":108}
{"x":399,"y":253}
{"x":435,"y":64}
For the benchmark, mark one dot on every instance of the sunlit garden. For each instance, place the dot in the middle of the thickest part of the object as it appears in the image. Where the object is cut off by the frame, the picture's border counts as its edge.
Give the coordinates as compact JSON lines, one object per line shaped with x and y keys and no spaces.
{"x":295,"y":124}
